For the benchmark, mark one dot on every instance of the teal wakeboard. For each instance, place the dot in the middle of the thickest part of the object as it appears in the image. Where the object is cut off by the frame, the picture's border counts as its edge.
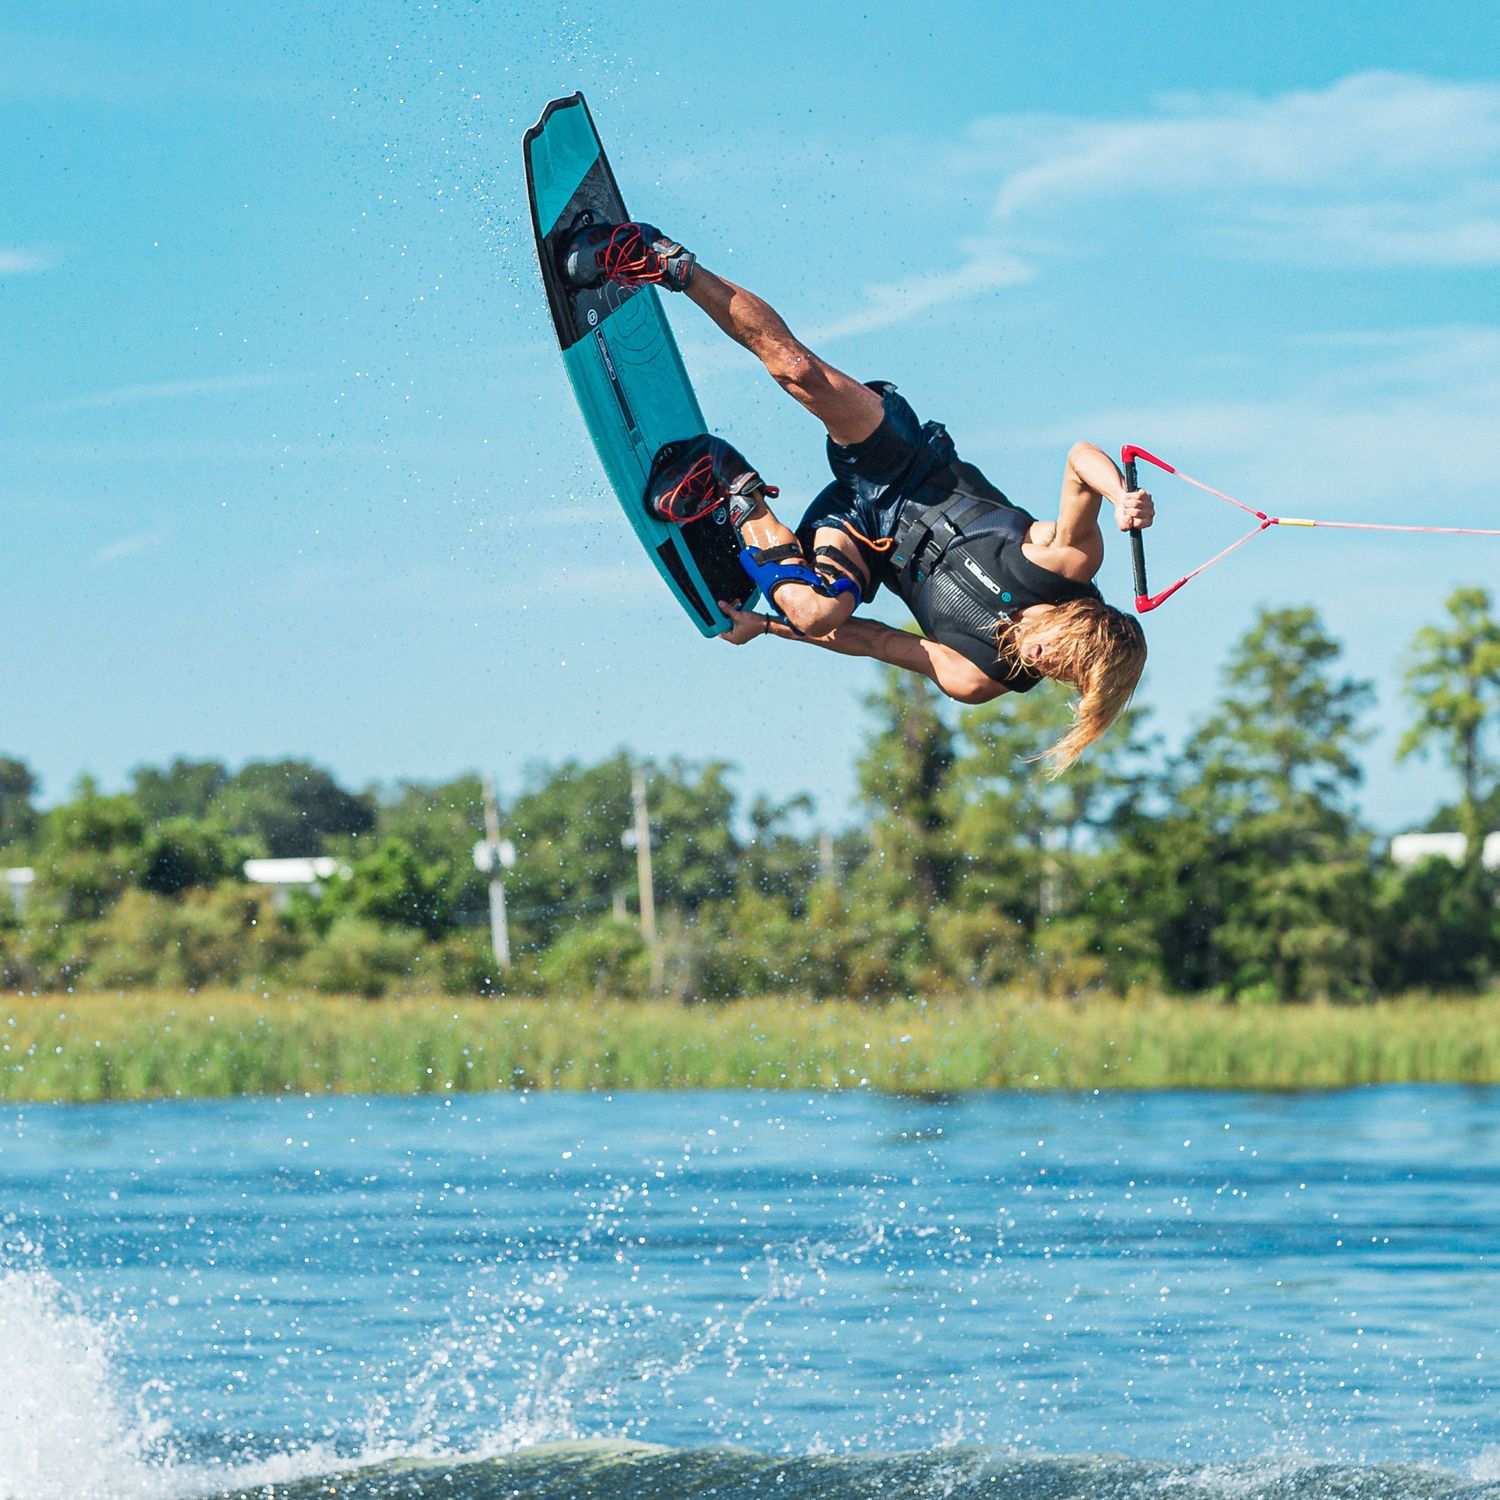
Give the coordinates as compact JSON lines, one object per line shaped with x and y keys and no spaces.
{"x":624,"y":363}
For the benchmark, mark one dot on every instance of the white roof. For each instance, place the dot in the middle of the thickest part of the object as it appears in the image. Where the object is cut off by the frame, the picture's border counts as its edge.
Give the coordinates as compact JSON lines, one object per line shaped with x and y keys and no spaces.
{"x":307,"y":871}
{"x":1411,"y":848}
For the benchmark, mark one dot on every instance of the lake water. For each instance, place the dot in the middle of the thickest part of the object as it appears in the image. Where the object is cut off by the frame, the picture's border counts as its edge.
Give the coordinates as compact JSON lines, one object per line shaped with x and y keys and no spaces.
{"x":838,"y":1295}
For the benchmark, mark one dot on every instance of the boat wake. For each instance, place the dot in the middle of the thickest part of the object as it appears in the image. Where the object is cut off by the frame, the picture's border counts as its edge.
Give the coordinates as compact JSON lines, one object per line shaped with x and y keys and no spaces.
{"x":629,"y":1471}
{"x":73,"y":1427}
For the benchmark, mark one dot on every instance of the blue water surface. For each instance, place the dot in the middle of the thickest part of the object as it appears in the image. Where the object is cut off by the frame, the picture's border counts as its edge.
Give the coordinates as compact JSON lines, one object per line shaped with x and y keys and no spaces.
{"x":1198,"y":1278}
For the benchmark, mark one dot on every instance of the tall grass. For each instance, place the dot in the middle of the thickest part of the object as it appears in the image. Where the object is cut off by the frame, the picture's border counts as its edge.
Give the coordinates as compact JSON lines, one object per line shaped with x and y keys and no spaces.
{"x":153,"y":1045}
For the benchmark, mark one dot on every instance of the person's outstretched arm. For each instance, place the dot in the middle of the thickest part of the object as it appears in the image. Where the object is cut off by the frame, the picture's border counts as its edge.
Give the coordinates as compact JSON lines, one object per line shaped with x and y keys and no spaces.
{"x":1091,"y":477}
{"x":953,"y":672}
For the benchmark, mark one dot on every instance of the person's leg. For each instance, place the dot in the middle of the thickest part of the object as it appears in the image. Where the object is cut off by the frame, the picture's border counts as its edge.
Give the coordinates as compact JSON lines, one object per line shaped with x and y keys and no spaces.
{"x":849,"y":410}
{"x":638,"y":254}
{"x":813,"y":613}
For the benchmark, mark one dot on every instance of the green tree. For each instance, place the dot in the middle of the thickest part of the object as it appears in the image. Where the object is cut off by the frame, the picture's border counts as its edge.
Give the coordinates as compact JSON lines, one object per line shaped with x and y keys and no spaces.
{"x":600,"y":957}
{"x":1453,"y":682}
{"x":185,"y":789}
{"x":91,"y":849}
{"x":1031,"y":848}
{"x":391,"y":885}
{"x":1273,"y":871}
{"x":1285,"y":736}
{"x":570,"y":862}
{"x":751,"y":945}
{"x":291,"y":807}
{"x":903,"y":782}
{"x":569,"y":826}
{"x":359,"y":957}
{"x":778,"y":861}
{"x":695,"y":853}
{"x":181,"y":853}
{"x":1432,"y":932}
{"x":908,"y":871}
{"x":203,"y":937}
{"x":441,"y":822}
{"x":18,"y":817}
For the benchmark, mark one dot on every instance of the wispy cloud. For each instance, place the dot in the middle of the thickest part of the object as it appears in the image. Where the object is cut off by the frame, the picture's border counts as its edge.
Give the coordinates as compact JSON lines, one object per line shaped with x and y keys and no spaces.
{"x":19,"y":262}
{"x":886,"y":305}
{"x":1379,"y":170}
{"x":167,"y":390}
{"x":130,"y":546}
{"x":1385,"y":431}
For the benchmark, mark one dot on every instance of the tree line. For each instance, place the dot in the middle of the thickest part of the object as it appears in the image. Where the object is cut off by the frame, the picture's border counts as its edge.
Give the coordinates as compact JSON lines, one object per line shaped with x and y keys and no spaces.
{"x":1237,"y":866}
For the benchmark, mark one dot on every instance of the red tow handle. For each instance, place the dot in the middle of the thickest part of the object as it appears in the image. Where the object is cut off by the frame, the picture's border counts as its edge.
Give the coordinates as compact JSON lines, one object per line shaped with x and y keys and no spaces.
{"x":1129,"y":453}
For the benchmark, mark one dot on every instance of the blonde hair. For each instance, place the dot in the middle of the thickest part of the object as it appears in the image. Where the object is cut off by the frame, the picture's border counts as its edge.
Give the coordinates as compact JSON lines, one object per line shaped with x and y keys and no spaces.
{"x":1098,"y":649}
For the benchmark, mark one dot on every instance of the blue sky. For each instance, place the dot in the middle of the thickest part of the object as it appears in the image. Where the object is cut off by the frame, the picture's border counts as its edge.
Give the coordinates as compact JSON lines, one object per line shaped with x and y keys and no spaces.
{"x":291,"y":466}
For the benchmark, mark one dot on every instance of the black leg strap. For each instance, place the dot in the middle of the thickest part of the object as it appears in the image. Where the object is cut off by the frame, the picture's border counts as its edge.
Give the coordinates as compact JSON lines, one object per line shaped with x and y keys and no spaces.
{"x":835,"y":560}
{"x":784,"y":553}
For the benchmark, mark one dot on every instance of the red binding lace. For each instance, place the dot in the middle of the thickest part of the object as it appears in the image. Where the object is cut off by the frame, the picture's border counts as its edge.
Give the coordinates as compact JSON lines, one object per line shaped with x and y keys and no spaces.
{"x":697,"y":488}
{"x":628,"y":259}
{"x":697,"y":493}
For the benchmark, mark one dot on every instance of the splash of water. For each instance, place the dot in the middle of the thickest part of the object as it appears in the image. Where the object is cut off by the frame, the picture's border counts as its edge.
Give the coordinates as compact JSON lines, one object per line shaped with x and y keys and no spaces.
{"x":68,"y":1425}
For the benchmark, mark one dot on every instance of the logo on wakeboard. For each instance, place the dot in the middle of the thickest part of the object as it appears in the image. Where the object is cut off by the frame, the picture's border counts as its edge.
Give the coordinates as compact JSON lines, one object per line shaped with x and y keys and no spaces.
{"x":721,"y":515}
{"x":593,"y":316}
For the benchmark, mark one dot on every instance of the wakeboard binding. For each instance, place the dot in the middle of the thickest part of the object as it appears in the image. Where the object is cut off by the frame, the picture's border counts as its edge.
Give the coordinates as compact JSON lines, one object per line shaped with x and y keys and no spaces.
{"x":693,"y":477}
{"x":703,"y":475}
{"x":630,"y":254}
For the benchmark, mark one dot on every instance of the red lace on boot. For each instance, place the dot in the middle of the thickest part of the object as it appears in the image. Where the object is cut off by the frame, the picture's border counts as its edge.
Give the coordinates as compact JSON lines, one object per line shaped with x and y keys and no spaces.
{"x":628,"y":259}
{"x":694,"y":495}
{"x":697,"y":493}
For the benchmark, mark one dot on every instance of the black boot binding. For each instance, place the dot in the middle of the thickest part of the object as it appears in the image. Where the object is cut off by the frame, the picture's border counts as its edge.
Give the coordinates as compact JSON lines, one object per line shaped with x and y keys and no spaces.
{"x":693,"y":476}
{"x":631,"y":254}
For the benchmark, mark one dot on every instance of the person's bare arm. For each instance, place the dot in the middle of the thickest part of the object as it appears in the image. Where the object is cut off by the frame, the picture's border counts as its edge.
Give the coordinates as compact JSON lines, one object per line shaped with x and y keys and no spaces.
{"x":1090,"y":477}
{"x":954,"y":673}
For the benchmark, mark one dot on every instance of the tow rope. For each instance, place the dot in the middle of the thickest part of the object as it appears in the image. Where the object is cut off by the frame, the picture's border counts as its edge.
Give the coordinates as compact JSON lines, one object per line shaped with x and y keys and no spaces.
{"x":1145,"y":600}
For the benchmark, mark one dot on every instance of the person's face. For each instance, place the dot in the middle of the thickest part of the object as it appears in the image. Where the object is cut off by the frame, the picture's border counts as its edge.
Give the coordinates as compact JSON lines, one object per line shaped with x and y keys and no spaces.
{"x":1041,"y":637}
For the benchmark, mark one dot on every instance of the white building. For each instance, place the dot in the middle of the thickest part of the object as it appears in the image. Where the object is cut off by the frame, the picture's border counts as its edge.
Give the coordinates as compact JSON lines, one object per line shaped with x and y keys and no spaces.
{"x":287,"y":875}
{"x":1408,"y":849}
{"x":17,"y":883}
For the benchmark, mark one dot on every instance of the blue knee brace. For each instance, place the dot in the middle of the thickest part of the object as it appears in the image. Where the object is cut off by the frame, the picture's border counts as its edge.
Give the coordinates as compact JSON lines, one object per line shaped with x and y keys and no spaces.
{"x":771,"y":568}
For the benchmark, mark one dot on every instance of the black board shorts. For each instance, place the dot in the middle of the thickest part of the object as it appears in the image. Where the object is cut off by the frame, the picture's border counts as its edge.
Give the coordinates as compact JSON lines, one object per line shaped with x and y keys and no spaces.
{"x":872,"y":478}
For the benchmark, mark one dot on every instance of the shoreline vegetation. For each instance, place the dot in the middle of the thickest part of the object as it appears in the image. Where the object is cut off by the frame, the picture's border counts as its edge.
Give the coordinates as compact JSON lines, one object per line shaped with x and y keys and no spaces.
{"x":1237,"y":868}
{"x":218,"y":1044}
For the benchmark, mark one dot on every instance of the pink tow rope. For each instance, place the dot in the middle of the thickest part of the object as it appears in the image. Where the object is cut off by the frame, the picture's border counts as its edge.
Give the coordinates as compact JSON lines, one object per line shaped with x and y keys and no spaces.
{"x":1144,"y":600}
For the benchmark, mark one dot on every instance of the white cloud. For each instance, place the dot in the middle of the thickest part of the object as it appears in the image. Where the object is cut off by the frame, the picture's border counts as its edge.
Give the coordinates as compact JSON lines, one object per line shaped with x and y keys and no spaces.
{"x":888,"y":304}
{"x":1390,"y":428}
{"x":130,"y":546}
{"x":166,"y":390}
{"x":16,"y":262}
{"x":1377,"y":170}
{"x":1380,"y":168}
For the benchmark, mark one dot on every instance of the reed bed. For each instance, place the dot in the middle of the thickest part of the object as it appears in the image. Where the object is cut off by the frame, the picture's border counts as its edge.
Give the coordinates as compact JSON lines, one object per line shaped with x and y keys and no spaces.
{"x":216,"y":1044}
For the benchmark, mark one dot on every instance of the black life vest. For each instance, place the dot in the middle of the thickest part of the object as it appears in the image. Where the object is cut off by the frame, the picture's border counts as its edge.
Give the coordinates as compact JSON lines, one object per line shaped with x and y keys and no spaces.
{"x":957,"y":564}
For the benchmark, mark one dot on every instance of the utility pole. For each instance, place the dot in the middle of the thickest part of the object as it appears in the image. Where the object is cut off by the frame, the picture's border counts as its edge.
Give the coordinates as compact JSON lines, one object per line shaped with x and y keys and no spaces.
{"x":642,"y":833}
{"x":495,"y":857}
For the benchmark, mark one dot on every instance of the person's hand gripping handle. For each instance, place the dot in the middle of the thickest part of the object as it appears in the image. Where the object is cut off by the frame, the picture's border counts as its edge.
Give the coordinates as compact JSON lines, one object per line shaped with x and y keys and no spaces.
{"x":1137,"y":541}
